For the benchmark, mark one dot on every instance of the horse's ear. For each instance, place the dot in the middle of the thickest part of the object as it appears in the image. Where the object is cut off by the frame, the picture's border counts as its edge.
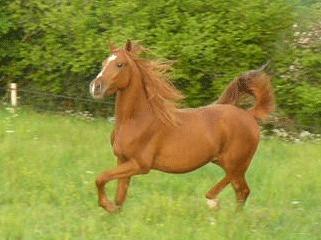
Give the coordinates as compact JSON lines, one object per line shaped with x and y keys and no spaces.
{"x":111,"y":46}
{"x":128,"y":45}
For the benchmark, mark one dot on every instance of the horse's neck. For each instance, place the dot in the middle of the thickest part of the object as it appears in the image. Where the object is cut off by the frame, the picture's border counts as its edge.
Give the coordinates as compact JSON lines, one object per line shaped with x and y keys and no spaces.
{"x":131,"y":102}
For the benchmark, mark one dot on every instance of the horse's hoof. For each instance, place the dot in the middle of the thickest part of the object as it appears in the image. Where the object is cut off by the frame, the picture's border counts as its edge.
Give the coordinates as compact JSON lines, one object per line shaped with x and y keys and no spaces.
{"x":213,"y":203}
{"x":108,"y":206}
{"x":111,"y":208}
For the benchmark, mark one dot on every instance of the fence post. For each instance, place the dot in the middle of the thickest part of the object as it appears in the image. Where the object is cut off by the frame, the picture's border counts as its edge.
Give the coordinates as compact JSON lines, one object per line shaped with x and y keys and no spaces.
{"x":13,"y":94}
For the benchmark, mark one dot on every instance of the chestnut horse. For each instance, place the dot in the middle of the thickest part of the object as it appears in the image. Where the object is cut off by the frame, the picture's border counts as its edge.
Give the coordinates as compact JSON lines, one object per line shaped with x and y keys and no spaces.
{"x":151,"y":132}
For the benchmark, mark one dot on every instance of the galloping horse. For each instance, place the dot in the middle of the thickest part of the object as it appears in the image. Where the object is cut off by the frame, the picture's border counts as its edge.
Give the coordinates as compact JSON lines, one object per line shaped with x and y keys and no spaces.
{"x":151,"y":132}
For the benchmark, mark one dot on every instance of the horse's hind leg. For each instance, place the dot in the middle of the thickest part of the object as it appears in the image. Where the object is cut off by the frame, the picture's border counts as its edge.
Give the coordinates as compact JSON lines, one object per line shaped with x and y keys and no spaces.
{"x":235,"y":168}
{"x":238,"y":181}
{"x":241,"y":189}
{"x":212,"y":194}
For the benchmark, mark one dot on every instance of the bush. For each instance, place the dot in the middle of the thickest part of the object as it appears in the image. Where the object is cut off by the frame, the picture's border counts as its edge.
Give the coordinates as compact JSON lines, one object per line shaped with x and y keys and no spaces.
{"x":58,"y":46}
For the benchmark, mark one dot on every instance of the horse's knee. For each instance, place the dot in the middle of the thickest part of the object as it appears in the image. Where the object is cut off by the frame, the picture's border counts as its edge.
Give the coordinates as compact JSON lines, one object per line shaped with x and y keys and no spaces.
{"x":99,"y":182}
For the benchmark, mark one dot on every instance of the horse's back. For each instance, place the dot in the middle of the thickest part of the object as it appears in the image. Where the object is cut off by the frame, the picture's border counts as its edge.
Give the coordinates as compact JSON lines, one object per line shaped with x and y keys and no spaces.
{"x":222,"y":116}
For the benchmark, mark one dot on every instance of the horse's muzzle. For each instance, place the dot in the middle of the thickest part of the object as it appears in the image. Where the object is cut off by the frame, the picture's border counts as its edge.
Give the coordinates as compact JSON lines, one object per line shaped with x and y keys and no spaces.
{"x":95,"y":89}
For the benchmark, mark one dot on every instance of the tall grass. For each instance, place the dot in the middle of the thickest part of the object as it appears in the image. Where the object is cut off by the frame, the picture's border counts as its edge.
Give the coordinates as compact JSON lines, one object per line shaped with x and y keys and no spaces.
{"x":48,"y":165}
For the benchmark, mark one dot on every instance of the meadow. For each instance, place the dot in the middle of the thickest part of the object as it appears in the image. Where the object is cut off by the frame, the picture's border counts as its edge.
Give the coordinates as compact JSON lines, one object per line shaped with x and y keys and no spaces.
{"x":48,"y":166}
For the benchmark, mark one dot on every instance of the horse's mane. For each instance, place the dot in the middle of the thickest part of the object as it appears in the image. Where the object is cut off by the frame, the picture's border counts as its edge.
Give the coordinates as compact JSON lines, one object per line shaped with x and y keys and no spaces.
{"x":161,"y":94}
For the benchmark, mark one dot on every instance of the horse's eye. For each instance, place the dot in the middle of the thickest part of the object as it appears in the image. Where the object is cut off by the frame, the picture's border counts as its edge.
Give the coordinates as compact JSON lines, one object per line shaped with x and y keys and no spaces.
{"x":120,"y":65}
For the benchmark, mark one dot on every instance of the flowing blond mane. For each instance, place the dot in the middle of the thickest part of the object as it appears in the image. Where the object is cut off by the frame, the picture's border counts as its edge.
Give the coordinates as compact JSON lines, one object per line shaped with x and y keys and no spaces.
{"x":161,"y":94}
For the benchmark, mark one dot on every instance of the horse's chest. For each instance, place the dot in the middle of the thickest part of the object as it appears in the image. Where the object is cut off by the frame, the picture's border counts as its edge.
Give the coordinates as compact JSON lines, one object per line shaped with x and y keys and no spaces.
{"x":125,"y":142}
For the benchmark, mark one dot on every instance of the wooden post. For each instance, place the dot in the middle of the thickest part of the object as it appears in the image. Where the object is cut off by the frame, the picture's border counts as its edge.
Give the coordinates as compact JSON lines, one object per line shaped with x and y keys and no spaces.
{"x":13,"y":94}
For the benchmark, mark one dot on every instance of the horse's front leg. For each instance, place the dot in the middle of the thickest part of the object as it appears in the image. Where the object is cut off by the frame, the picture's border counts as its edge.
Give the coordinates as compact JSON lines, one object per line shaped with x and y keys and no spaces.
{"x":122,"y":188}
{"x":123,"y":171}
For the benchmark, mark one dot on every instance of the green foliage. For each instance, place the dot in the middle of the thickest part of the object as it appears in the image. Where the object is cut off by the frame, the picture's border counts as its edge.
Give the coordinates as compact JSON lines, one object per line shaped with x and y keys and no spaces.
{"x":49,"y":165}
{"x":58,"y":46}
{"x":299,"y":78}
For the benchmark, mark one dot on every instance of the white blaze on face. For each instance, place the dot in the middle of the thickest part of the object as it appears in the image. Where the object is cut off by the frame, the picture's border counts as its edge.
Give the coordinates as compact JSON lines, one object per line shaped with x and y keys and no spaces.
{"x":109,"y":59}
{"x":93,"y":83}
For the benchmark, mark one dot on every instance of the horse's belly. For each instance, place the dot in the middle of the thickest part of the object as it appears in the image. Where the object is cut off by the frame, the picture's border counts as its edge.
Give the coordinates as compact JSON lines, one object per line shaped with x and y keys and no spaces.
{"x":176,"y":166}
{"x":183,"y":158}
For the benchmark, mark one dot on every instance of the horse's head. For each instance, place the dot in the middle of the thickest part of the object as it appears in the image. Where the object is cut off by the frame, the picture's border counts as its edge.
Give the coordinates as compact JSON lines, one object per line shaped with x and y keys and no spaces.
{"x":115,"y":73}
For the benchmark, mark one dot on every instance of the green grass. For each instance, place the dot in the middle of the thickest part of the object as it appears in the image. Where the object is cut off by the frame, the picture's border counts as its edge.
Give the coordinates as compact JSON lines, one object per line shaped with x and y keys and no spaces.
{"x":48,"y":167}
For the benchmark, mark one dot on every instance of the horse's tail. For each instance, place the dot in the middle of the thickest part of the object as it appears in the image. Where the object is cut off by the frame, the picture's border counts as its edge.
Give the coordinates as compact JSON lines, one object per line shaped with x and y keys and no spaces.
{"x":256,"y":83}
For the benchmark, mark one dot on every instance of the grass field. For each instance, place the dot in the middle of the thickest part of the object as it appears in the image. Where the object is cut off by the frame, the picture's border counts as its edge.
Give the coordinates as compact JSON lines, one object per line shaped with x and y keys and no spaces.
{"x":48,"y":165}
